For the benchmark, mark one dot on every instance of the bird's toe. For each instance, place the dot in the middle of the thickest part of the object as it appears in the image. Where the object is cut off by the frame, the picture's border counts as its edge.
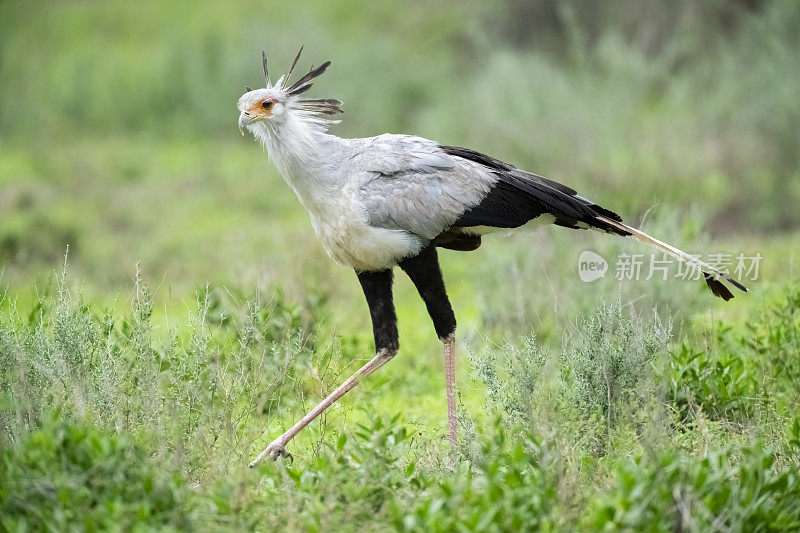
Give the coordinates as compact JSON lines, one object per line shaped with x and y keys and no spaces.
{"x":273,"y":451}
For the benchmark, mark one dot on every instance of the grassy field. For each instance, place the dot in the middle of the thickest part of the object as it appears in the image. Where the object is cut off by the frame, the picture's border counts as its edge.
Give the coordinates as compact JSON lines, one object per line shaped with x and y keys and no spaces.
{"x":165,"y":310}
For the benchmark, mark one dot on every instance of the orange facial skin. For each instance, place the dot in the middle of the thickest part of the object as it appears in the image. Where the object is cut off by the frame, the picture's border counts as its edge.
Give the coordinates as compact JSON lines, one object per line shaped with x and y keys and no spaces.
{"x":262,"y":108}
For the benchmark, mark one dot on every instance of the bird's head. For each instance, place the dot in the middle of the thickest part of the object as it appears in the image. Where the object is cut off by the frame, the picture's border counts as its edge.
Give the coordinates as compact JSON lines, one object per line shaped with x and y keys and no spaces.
{"x":277,"y":103}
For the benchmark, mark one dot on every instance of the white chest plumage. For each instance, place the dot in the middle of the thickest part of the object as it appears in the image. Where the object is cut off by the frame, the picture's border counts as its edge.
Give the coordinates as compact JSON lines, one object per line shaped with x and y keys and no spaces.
{"x":341,"y":225}
{"x":340,"y":222}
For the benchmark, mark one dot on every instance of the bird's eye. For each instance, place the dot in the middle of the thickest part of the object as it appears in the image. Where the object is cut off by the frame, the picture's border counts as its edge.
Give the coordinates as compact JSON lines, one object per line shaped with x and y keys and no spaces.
{"x":266,"y":104}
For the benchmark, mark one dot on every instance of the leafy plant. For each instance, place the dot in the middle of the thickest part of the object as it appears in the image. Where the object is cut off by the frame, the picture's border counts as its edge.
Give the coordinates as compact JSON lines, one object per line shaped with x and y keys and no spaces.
{"x":720,"y":492}
{"x":723,"y":385}
{"x":68,"y":476}
{"x":745,"y":368}
{"x":608,"y":361}
{"x":511,"y":487}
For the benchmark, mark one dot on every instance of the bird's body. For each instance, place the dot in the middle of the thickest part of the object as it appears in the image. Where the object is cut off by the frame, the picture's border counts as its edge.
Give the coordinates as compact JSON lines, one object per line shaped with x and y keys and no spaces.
{"x":392,"y":200}
{"x":374,"y":201}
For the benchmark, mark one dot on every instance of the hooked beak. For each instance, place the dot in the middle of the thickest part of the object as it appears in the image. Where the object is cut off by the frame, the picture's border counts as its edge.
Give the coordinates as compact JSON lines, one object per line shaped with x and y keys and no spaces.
{"x":244,"y":120}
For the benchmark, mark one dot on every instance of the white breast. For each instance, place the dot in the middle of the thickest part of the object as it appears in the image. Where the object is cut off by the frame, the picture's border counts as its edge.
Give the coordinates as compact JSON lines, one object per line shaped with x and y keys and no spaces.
{"x":310,"y":162}
{"x":342,"y":228}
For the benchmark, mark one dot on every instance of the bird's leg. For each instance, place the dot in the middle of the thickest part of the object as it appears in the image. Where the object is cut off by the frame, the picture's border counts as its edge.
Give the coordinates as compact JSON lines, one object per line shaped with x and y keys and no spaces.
{"x":424,"y":271}
{"x":450,"y":379}
{"x":278,"y":446}
{"x":378,"y":290}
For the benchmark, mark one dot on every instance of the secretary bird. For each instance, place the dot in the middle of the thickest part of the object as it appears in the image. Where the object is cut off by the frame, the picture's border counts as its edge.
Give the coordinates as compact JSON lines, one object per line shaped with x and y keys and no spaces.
{"x":392,"y":200}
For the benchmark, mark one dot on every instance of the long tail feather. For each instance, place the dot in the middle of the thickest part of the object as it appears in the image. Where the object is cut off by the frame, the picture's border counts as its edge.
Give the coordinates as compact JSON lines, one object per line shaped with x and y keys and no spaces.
{"x":713,"y":276}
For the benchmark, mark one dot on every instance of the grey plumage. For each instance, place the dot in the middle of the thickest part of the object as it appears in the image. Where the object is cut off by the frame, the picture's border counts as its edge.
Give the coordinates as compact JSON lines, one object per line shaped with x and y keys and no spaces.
{"x":414,"y":186}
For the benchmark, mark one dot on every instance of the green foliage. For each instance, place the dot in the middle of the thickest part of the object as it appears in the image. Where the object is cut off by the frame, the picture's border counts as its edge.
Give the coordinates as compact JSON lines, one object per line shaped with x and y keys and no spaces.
{"x":67,"y":476}
{"x":608,"y":361}
{"x":722,"y":384}
{"x":511,"y":486}
{"x":745,"y":368}
{"x":773,"y":339}
{"x":352,"y":480}
{"x":154,"y":412}
{"x":376,"y":475}
{"x":185,"y":387}
{"x":513,"y":391}
{"x":676,"y":492}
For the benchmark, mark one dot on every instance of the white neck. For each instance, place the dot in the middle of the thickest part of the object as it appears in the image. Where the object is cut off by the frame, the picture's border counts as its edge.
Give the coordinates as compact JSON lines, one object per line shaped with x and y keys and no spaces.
{"x":304,"y":154}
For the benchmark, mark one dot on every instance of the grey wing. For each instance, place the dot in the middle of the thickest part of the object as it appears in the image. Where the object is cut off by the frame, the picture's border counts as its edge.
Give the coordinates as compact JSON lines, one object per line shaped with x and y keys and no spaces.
{"x":413,"y":185}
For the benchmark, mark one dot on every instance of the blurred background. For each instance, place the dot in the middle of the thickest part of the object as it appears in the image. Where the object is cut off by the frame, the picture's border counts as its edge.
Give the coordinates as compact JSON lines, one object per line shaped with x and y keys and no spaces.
{"x":118,"y":138}
{"x":196,"y":310}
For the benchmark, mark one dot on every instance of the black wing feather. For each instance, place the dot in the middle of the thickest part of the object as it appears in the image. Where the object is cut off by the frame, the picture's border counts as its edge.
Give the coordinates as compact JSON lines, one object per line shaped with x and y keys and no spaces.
{"x":520,"y":196}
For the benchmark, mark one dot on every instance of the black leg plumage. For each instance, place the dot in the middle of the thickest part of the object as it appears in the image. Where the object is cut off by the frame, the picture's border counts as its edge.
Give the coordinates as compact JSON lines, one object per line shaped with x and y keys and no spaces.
{"x":377,"y":286}
{"x":425,"y":273}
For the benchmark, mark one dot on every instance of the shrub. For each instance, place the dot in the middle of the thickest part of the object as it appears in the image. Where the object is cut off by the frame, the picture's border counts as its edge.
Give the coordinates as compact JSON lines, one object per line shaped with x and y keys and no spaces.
{"x":512,"y":377}
{"x":609,"y":359}
{"x":67,"y":476}
{"x":676,"y":492}
{"x":773,"y":338}
{"x":376,"y":476}
{"x":350,"y":481}
{"x":745,"y":368}
{"x":723,"y":384}
{"x":232,"y":362}
{"x":509,"y":486}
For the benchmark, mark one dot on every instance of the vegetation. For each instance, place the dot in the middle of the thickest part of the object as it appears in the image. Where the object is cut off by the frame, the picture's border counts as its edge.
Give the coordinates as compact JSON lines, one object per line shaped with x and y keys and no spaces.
{"x":195,"y":317}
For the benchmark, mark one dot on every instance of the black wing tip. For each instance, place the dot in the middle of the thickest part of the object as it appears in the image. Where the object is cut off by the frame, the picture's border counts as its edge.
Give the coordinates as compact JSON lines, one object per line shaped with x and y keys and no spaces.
{"x":606,"y":213}
{"x":737,"y":284}
{"x":719,"y":289}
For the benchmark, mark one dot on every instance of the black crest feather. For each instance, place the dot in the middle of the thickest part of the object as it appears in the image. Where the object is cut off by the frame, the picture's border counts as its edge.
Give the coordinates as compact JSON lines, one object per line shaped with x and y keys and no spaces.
{"x":304,"y":83}
{"x":294,"y":64}
{"x":264,"y":63}
{"x":325,"y":106}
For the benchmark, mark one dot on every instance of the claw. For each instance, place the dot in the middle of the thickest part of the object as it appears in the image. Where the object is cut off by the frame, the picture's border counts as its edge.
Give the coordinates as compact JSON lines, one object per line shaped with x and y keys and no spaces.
{"x":274,"y":450}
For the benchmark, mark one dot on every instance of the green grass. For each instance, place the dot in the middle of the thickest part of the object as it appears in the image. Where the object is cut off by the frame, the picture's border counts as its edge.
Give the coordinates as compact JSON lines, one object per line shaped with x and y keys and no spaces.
{"x":195,"y":317}
{"x":614,"y":406}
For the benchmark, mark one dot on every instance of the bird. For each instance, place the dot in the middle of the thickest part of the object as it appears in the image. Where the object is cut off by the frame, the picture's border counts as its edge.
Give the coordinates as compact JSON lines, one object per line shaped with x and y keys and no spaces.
{"x":393,"y":200}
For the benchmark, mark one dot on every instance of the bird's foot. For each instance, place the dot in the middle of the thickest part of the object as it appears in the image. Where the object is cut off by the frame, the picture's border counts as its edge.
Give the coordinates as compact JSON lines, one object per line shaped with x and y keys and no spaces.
{"x":274,"y":450}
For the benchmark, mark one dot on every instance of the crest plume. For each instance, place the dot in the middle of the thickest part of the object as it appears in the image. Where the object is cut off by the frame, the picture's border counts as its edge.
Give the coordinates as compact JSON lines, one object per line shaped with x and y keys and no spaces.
{"x":324,"y":106}
{"x":304,"y":83}
{"x":264,"y":64}
{"x":294,"y":63}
